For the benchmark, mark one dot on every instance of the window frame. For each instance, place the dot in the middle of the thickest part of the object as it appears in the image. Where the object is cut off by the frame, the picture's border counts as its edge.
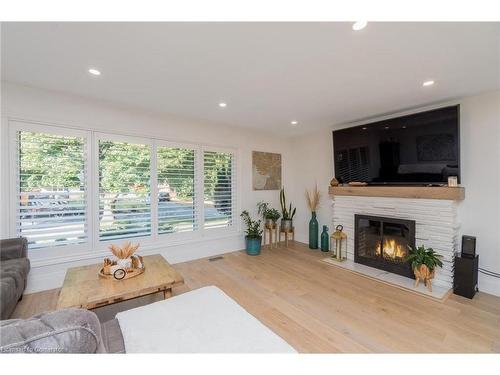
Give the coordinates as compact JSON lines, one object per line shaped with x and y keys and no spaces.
{"x":21,"y":126}
{"x":98,"y":136}
{"x":235,"y":196}
{"x":94,"y":247}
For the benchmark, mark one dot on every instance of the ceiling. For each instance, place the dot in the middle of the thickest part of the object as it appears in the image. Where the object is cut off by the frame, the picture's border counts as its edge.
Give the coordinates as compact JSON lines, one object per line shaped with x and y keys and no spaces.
{"x":269,"y":74}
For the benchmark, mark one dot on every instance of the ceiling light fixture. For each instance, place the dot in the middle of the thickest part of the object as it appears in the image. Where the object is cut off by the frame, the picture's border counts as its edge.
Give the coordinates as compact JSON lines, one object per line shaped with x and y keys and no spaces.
{"x":428,"y":83}
{"x":294,"y":122}
{"x":222,"y":105}
{"x":360,"y":25}
{"x":94,"y":72}
{"x":364,"y":128}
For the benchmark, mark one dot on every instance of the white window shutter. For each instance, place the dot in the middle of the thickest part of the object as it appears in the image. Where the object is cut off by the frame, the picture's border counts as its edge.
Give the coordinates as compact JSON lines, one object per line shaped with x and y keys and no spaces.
{"x":51,"y":189}
{"x":219,"y":189}
{"x":124,"y":190}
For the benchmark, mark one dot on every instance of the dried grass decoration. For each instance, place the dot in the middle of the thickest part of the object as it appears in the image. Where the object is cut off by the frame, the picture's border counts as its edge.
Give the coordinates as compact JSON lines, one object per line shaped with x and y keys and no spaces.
{"x":124,"y":264}
{"x":313,"y":198}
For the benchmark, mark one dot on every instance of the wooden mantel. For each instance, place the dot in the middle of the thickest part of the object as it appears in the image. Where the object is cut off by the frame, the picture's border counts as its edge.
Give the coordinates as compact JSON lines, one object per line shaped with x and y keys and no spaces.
{"x":414,"y":192}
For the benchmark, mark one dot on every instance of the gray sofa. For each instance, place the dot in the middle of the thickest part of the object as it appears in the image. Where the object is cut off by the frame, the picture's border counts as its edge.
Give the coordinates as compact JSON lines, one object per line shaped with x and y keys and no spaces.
{"x":14,"y":268}
{"x":63,"y":331}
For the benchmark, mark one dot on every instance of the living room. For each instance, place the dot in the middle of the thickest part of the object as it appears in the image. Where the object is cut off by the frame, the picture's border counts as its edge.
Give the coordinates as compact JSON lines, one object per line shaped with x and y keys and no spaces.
{"x":309,"y":187}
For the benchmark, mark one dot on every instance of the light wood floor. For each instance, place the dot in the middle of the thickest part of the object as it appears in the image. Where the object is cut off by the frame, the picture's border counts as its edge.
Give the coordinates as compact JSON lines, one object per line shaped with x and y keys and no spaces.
{"x":321,"y":308}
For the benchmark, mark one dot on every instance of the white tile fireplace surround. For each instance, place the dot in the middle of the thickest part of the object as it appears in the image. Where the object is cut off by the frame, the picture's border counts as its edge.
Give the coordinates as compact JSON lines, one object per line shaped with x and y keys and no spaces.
{"x":436,"y":224}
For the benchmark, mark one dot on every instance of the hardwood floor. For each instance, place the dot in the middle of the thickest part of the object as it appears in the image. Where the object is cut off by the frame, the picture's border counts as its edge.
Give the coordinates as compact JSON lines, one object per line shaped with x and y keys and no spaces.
{"x":325,"y":309}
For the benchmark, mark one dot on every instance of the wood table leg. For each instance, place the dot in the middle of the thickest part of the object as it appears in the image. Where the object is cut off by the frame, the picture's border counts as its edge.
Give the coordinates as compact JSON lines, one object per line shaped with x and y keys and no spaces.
{"x":167,"y":293}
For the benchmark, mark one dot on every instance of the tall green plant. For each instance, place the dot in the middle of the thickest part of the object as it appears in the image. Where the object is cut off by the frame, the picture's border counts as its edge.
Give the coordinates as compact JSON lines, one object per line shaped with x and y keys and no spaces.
{"x":421,"y":255}
{"x":286,"y":213}
{"x":253,"y":226}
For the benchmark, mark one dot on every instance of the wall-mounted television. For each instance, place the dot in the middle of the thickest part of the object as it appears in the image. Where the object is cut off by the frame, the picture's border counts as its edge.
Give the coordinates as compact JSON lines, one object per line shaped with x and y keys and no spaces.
{"x":418,"y":149}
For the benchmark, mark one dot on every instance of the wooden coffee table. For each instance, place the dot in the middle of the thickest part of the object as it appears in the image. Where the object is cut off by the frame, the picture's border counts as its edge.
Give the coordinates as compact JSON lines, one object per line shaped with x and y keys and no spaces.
{"x":84,"y":288}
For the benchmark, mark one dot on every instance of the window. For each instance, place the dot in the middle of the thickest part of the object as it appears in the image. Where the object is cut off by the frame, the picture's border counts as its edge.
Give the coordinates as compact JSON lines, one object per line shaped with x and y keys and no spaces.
{"x":124,"y":190}
{"x":219,"y":189}
{"x":85,"y":189}
{"x":51,"y":189}
{"x":176,"y":190}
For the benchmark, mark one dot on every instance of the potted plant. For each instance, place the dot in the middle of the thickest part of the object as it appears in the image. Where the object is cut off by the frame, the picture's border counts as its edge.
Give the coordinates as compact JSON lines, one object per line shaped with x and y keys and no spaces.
{"x":423,"y":262}
{"x":271,"y":216}
{"x":253,"y":233}
{"x":287,"y":214}
{"x":313,"y":203}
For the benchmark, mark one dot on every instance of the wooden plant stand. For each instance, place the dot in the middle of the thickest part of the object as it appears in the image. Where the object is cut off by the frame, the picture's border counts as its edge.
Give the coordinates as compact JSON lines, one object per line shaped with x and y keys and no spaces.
{"x":273,"y":239}
{"x":287,"y":233}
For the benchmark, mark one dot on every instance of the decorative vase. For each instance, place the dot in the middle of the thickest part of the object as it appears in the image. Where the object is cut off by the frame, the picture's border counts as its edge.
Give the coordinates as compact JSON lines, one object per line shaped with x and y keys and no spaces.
{"x":325,"y":240}
{"x":286,"y":225}
{"x":313,"y":232}
{"x":253,"y":245}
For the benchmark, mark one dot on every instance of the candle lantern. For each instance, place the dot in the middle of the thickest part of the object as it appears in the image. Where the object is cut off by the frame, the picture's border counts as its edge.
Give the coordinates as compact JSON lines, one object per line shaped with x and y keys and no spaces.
{"x":338,"y":244}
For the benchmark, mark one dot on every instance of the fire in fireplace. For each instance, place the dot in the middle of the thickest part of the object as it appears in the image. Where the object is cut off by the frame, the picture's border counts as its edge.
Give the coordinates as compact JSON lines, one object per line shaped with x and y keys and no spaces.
{"x":382,"y":242}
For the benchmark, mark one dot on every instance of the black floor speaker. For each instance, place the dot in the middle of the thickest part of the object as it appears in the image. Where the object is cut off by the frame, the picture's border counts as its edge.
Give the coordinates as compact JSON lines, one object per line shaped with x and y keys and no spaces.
{"x":465,"y":277}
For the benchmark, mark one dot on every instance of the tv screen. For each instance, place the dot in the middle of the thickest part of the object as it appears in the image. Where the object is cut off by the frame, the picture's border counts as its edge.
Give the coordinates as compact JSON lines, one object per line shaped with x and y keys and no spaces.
{"x":418,"y":149}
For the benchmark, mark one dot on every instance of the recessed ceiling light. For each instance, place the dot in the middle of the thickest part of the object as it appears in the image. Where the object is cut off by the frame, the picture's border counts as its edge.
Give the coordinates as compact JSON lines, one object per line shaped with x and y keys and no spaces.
{"x":428,"y":83}
{"x":386,"y":128}
{"x":360,"y":25}
{"x":222,"y":105}
{"x":364,"y":128}
{"x":294,"y":122}
{"x":94,"y":72}
{"x":404,"y":126}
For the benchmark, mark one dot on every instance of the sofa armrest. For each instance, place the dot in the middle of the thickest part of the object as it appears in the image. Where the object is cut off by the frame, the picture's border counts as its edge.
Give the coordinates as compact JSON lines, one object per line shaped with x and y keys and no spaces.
{"x":13,"y":248}
{"x":61,"y":331}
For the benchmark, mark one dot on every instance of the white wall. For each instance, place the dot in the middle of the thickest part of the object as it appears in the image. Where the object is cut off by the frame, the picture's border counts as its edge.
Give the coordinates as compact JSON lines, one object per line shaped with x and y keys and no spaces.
{"x":44,"y":106}
{"x":479,"y":214}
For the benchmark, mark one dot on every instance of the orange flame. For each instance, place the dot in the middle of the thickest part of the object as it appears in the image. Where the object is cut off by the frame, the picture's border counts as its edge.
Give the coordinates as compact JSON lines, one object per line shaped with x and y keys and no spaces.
{"x":391,"y":250}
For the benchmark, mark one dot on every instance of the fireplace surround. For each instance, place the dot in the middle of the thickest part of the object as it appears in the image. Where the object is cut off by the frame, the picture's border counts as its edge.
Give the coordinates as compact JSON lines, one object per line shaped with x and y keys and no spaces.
{"x":383,"y":243}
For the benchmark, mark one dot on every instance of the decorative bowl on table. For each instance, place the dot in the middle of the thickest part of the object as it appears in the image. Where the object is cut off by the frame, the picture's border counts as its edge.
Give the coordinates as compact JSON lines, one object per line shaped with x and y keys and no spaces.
{"x":124,"y":264}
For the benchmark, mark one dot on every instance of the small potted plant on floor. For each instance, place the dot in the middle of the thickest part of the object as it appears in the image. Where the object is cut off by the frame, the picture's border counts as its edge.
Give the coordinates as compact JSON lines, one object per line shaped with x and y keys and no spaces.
{"x":423,"y":262}
{"x":253,"y":233}
{"x":287,"y":214}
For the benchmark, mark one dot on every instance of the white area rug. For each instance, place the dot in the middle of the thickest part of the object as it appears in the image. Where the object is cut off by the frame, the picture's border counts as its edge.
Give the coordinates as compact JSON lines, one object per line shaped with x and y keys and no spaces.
{"x":205,"y":320}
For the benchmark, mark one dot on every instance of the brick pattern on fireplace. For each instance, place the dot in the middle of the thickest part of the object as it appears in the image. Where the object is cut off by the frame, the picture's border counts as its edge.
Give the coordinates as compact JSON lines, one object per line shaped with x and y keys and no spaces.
{"x":436,"y":224}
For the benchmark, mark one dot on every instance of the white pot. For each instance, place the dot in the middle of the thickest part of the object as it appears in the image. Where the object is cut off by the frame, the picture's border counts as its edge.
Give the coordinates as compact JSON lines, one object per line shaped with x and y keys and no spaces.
{"x":124,"y":263}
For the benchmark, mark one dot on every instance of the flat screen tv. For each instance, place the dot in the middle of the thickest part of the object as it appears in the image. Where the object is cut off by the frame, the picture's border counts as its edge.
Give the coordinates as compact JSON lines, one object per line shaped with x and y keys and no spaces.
{"x":417,"y":149}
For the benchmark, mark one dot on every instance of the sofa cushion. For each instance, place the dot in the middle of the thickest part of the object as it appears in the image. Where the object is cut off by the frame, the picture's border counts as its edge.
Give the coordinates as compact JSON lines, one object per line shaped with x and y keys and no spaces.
{"x":62,"y":331}
{"x":13,"y":248}
{"x":9,"y":296}
{"x":17,"y":269}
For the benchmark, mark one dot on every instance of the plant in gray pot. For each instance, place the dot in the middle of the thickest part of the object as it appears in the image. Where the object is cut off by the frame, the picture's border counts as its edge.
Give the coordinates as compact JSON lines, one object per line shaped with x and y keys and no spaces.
{"x":271,"y":216}
{"x":253,"y":233}
{"x":287,"y":214}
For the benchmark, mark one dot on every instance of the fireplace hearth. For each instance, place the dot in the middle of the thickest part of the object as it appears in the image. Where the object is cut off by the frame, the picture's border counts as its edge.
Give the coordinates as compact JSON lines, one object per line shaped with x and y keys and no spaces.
{"x":382,"y":242}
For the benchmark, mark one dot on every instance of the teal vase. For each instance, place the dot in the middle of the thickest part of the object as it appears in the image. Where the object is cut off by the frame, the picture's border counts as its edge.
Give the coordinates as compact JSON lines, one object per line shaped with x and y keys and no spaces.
{"x":253,"y":245}
{"x":313,"y":232}
{"x":325,"y":238}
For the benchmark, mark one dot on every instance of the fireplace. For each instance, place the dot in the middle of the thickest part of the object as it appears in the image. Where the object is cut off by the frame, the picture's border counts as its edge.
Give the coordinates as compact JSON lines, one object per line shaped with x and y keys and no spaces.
{"x":382,"y":242}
